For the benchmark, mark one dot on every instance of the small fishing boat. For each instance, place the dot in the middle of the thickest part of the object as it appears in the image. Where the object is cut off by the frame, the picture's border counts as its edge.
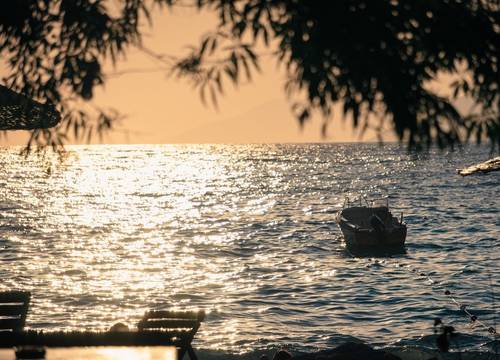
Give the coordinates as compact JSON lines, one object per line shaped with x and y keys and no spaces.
{"x":370,"y":226}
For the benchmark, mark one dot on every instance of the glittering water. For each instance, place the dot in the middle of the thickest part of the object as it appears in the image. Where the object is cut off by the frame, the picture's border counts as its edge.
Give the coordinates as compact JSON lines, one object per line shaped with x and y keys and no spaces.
{"x":247,"y":233}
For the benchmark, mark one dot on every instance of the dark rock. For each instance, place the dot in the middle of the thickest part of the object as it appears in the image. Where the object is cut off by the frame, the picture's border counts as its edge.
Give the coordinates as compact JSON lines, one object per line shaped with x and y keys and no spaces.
{"x":119,"y":327}
{"x":349,"y":351}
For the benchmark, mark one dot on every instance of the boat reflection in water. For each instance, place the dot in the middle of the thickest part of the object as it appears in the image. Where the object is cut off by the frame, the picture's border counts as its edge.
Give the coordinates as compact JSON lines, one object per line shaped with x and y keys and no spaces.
{"x":369,"y":227}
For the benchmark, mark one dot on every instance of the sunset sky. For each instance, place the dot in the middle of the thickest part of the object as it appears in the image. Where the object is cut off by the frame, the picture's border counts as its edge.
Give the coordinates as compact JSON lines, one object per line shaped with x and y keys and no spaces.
{"x":167,"y":110}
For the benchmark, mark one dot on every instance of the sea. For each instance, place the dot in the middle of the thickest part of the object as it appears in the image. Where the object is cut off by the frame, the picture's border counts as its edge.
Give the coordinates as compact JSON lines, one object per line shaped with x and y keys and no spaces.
{"x":247,"y":233}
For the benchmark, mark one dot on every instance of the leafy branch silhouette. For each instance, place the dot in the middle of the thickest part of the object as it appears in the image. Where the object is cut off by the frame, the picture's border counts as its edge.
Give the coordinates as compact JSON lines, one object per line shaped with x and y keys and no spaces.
{"x":376,"y":59}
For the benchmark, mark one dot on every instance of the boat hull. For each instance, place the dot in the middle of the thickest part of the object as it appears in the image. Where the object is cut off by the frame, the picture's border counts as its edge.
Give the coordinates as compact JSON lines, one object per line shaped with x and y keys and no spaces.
{"x":370,"y":239}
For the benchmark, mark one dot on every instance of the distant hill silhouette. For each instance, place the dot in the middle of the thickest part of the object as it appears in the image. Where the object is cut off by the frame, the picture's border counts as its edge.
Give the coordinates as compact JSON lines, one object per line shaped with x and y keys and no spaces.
{"x":259,"y":126}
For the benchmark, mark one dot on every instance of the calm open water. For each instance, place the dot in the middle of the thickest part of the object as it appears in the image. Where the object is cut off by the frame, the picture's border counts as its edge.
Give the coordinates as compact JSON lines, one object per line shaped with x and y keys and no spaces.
{"x":247,"y":233}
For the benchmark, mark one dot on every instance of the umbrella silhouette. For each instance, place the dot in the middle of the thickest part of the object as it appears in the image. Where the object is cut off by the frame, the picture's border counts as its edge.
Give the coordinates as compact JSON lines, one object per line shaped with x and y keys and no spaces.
{"x":18,"y":112}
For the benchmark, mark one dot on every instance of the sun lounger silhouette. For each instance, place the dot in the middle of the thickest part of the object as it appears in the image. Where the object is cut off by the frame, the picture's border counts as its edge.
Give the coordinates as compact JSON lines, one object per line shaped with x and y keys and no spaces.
{"x":13,"y":309}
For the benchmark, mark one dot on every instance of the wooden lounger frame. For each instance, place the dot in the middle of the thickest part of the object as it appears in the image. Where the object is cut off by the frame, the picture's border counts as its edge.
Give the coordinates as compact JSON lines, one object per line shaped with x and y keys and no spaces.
{"x":187,"y":321}
{"x":157,"y":328}
{"x":13,"y":309}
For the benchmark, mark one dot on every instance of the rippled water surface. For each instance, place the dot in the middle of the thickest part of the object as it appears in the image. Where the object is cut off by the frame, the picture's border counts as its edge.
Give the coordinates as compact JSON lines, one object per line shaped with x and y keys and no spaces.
{"x":247,"y":233}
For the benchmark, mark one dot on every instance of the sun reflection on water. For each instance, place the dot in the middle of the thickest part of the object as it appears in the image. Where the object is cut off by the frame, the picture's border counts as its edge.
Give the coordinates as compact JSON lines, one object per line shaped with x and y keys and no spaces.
{"x":245,"y":233}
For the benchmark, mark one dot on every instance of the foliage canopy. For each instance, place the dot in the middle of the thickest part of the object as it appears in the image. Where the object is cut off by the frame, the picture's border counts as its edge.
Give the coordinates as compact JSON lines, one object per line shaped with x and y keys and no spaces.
{"x":375,"y":58}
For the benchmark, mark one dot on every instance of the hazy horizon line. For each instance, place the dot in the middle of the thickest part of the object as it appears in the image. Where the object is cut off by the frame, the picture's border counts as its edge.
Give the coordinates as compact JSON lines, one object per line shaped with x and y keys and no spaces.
{"x":223,"y":143}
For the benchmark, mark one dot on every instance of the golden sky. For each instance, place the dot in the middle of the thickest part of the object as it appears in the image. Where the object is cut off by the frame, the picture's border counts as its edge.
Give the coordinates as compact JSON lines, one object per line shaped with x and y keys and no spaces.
{"x":166,"y":110}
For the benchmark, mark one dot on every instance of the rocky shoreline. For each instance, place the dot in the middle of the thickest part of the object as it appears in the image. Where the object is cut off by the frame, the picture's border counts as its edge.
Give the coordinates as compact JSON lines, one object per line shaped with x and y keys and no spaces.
{"x":349,"y":351}
{"x":362,"y":351}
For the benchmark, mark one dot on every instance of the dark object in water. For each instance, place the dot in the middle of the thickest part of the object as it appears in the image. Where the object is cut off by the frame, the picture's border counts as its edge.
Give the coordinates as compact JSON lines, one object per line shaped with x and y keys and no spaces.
{"x":371,"y":227}
{"x":445,"y":334}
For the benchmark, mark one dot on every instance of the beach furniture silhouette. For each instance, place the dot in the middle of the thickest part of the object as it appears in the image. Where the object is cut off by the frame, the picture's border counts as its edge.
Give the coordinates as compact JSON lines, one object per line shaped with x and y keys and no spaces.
{"x":157,"y":328}
{"x":13,"y":309}
{"x":181,"y":326}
